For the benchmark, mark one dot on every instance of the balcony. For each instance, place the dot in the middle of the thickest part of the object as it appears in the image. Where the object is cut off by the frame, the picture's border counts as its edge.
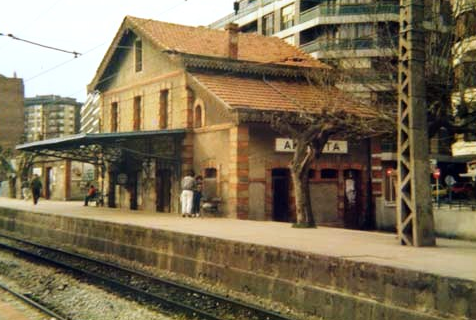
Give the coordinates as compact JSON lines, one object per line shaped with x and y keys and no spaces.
{"x":345,"y":10}
{"x":241,"y":13}
{"x":350,"y":44}
{"x":233,"y":17}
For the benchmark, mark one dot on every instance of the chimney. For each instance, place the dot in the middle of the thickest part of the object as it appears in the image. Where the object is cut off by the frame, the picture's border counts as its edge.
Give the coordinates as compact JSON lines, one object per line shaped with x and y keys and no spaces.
{"x":231,"y":50}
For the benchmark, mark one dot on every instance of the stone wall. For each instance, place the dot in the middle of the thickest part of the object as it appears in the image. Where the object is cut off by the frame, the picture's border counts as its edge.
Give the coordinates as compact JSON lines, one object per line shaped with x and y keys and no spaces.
{"x":452,"y":223}
{"x":455,"y":223}
{"x":318,"y":285}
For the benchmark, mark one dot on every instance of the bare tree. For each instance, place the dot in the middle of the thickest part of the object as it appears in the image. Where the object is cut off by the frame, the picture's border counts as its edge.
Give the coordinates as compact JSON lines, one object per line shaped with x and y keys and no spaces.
{"x":310,"y":133}
{"x":15,"y":169}
{"x":7,"y":170}
{"x":24,"y":165}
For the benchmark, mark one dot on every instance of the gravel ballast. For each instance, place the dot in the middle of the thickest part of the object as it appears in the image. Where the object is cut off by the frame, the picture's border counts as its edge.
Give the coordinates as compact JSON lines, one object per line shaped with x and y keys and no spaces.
{"x":67,"y":295}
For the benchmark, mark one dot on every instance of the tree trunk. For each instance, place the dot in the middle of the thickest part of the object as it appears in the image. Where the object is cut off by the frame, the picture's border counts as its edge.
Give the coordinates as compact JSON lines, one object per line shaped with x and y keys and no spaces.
{"x":304,"y":216}
{"x":299,"y":167}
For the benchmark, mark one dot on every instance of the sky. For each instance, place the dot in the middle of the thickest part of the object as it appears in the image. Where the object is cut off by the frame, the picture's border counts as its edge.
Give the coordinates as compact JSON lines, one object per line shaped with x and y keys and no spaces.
{"x":84,"y":26}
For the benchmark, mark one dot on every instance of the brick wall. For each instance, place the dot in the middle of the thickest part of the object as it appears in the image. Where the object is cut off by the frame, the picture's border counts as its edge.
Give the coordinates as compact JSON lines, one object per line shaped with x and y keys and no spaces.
{"x":11,"y":107}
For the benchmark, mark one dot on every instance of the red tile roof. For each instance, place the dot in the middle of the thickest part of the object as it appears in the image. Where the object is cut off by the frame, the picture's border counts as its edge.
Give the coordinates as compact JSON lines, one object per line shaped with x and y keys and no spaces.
{"x":211,"y":42}
{"x":279,"y":95}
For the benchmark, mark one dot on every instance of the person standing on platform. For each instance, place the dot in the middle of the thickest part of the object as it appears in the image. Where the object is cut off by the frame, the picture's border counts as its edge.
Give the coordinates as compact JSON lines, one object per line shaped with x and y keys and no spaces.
{"x":36,"y":186}
{"x":186,"y":197}
{"x":91,"y":194}
{"x":197,"y":195}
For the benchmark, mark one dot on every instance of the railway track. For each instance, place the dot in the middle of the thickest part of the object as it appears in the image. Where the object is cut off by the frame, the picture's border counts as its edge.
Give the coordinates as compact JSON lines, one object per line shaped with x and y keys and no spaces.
{"x":161,"y":293}
{"x":32,"y":303}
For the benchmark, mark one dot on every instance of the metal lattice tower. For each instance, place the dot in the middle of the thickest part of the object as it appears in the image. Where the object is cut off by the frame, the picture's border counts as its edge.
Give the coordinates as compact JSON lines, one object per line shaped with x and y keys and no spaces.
{"x":414,"y":208}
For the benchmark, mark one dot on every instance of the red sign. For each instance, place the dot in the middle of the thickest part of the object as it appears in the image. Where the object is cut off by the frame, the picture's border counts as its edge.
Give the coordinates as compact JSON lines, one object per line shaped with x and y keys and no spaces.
{"x":436,"y":173}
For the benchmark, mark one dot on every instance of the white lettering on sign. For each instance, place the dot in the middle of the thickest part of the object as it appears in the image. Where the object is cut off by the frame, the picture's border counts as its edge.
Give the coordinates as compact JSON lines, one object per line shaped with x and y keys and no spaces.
{"x":332,"y":146}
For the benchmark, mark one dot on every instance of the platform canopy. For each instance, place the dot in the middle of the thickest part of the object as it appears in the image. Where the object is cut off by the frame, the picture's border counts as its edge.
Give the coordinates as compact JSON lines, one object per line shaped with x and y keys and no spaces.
{"x":102,"y":148}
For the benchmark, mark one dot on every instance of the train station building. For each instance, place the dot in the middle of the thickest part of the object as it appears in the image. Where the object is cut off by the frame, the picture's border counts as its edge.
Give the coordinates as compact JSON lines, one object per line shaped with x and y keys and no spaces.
{"x":175,"y":98}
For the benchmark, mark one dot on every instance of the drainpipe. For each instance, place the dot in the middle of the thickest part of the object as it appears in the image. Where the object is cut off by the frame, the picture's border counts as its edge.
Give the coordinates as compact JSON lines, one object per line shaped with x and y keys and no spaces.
{"x":369,"y":222}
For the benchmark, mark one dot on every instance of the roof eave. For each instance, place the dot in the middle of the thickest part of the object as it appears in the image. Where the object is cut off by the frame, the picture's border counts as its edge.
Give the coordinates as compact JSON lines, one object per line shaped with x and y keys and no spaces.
{"x":91,"y":138}
{"x":192,"y":61}
{"x":127,"y":24}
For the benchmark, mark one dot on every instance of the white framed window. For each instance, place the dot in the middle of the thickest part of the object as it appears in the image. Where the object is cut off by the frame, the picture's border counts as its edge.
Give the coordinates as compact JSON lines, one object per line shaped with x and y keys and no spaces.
{"x":287,"y":17}
{"x":268,"y":24}
{"x":138,"y":54}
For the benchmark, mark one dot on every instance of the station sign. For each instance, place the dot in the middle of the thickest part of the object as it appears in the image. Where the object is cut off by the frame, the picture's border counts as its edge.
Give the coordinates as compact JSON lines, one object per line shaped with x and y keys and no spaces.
{"x":332,"y":146}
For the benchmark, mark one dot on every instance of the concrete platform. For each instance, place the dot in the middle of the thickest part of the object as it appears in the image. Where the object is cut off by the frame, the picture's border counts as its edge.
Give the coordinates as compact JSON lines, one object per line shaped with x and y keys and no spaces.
{"x":346,"y":269}
{"x":450,"y":258}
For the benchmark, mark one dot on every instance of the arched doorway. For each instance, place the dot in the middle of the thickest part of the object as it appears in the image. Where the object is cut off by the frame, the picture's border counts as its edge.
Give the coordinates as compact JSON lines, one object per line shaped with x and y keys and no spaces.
{"x":132,"y":183}
{"x":280,"y":187}
{"x":163,"y":186}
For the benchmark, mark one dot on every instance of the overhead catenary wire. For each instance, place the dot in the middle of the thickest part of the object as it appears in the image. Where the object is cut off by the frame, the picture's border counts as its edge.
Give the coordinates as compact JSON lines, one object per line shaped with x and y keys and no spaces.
{"x":76,"y":54}
{"x":34,"y":20}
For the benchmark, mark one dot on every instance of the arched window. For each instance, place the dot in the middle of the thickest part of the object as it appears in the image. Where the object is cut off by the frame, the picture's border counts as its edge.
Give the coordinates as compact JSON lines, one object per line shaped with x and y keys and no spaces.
{"x":210,"y":173}
{"x":198,"y":117}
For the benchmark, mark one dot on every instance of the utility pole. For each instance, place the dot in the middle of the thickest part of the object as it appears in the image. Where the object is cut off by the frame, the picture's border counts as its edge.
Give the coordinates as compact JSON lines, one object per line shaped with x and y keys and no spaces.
{"x":414,"y":209}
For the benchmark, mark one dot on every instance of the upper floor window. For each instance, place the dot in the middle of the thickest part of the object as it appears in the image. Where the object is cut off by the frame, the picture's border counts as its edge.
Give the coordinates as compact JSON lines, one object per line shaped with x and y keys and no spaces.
{"x":114,"y":117}
{"x":268,"y":24}
{"x":163,"y":109}
{"x":138,"y":54}
{"x":287,"y":17}
{"x":198,"y":117}
{"x":137,"y":113}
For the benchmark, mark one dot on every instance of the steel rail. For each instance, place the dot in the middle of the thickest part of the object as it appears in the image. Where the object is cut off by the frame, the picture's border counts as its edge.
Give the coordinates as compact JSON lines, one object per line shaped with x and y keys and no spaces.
{"x":32,"y":303}
{"x":256,"y":310}
{"x":164,"y":303}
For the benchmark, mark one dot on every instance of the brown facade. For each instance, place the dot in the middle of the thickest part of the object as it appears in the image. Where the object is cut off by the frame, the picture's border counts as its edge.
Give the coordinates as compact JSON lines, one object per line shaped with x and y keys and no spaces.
{"x":236,"y":157}
{"x":11,"y":106}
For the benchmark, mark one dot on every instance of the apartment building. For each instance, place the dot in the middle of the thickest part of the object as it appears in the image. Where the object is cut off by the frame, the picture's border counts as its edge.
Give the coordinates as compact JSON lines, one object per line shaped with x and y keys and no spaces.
{"x":50,"y":116}
{"x":47,"y":117}
{"x":90,"y":116}
{"x":361,"y":35}
{"x":464,"y":63}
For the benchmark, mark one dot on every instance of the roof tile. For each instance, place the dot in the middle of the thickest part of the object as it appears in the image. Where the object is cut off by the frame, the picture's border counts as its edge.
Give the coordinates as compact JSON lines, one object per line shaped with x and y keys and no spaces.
{"x":279,"y":95}
{"x":212,"y":42}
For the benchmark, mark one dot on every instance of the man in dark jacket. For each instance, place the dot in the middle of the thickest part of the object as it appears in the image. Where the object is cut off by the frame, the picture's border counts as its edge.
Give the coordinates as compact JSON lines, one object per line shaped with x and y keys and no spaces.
{"x":36,"y":186}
